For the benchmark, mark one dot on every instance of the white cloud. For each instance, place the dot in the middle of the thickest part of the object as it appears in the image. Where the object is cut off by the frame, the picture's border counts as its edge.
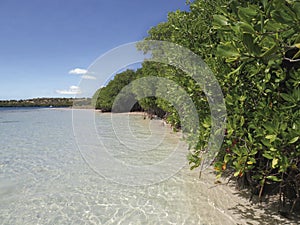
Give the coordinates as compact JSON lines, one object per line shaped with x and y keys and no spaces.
{"x":88,"y":77}
{"x":78,"y":71}
{"x":73,"y":90}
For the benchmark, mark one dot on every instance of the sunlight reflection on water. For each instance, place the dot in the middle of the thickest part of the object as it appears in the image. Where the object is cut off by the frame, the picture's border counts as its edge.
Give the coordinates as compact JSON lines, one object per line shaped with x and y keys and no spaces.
{"x":44,"y":180}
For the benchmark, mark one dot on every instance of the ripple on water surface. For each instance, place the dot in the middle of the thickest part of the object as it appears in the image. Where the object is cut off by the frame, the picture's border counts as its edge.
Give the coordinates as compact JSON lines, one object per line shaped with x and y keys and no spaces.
{"x":44,"y":180}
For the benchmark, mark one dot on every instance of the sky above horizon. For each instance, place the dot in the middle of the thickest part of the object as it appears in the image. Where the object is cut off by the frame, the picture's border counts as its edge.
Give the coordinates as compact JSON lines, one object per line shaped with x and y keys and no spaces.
{"x":46,"y":46}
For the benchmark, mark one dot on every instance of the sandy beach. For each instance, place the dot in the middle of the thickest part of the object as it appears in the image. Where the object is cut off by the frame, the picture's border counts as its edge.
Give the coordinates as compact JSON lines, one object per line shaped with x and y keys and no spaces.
{"x":235,"y":203}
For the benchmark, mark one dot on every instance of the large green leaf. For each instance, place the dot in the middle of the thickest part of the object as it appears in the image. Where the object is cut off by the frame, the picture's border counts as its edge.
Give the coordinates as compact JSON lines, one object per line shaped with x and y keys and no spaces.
{"x":248,"y":41}
{"x":227,"y":50}
{"x":287,"y":97}
{"x":267,"y":155}
{"x":219,"y":21}
{"x":271,"y":137}
{"x":294,"y":140}
{"x":281,"y":16}
{"x":270,"y":51}
{"x":246,"y":28}
{"x":274,"y":178}
{"x":246,"y":14}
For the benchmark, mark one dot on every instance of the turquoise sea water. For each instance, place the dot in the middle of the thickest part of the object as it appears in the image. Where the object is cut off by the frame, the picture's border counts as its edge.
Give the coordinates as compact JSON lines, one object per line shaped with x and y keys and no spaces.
{"x":44,"y":178}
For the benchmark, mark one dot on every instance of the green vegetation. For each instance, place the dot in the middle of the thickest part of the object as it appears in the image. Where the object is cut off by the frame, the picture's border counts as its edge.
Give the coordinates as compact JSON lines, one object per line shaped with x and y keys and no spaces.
{"x":106,"y":95}
{"x":45,"y":102}
{"x":259,"y":42}
{"x":253,"y":48}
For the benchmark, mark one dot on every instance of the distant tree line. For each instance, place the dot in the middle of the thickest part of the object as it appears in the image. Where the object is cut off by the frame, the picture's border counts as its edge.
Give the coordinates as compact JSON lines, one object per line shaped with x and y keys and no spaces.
{"x":105,"y":97}
{"x":44,"y":102}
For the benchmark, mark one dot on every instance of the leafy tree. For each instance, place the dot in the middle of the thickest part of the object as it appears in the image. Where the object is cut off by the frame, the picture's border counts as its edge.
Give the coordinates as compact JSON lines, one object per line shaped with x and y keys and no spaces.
{"x":253,"y":49}
{"x":260,"y":40}
{"x":192,"y":30}
{"x":107,"y":95}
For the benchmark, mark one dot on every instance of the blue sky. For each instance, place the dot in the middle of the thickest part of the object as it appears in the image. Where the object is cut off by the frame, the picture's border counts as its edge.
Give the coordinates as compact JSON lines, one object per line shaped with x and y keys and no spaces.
{"x":41,"y":41}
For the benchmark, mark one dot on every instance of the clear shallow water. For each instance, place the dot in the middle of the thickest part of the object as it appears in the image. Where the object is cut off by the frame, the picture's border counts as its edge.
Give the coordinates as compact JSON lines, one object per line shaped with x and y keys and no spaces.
{"x":45,"y":180}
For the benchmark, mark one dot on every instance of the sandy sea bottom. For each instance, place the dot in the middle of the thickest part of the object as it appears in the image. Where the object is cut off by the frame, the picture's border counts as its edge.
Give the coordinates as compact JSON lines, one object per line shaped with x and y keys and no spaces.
{"x":45,"y":179}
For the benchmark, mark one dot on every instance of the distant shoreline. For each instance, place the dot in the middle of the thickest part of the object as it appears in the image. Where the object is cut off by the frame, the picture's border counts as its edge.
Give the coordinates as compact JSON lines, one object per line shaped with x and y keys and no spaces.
{"x":46,"y":102}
